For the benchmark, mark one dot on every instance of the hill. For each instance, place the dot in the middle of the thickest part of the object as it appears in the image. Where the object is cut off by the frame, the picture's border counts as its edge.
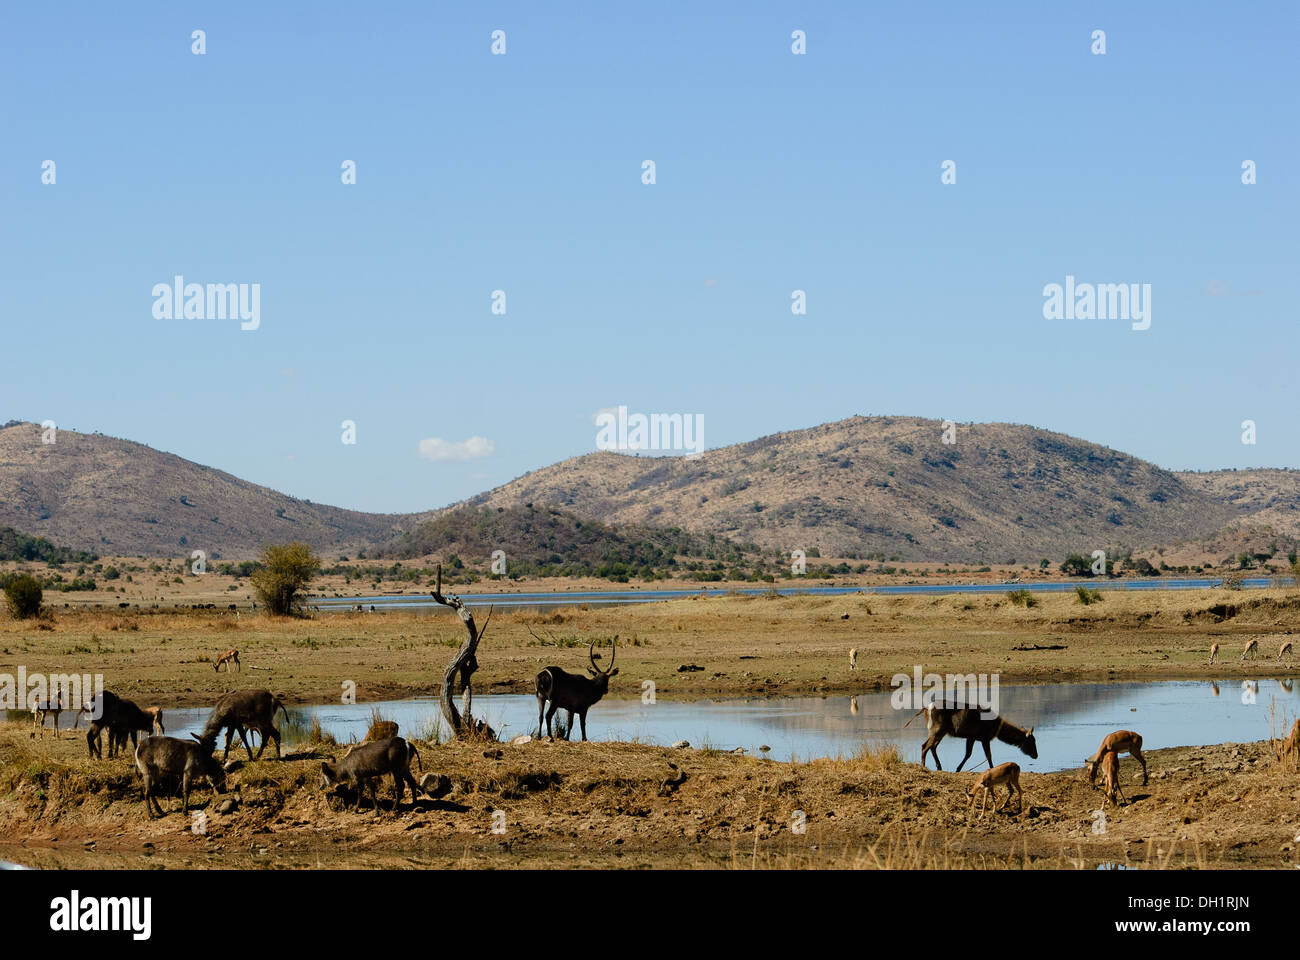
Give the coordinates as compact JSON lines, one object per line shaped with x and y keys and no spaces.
{"x":866,"y":487}
{"x":115,"y":497}
{"x":546,"y":541}
{"x":890,"y":487}
{"x":1271,"y":497}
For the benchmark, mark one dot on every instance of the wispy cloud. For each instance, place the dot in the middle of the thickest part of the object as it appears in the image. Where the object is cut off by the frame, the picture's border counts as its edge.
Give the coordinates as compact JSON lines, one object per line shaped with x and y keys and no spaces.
{"x":438,"y":450}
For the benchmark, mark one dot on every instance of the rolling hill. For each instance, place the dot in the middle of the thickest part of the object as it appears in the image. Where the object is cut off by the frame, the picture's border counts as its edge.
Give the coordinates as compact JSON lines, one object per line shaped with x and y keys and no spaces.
{"x":116,"y":497}
{"x":890,"y":485}
{"x":866,"y":487}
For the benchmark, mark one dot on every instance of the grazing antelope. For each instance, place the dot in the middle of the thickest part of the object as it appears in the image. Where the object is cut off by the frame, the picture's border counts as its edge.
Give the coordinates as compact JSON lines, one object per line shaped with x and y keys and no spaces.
{"x":572,"y":692}
{"x":241,"y":711}
{"x":1284,"y":650}
{"x":1252,"y":648}
{"x":971,"y":726}
{"x":162,"y":760}
{"x":853,"y":659}
{"x":43,"y":708}
{"x":1110,"y":777}
{"x":1214,"y":652}
{"x":1121,"y":741}
{"x":229,"y":657}
{"x":1006,"y":774}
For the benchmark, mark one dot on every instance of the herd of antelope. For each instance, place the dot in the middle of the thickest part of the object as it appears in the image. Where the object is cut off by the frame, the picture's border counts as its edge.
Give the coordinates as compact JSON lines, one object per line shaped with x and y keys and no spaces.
{"x":383,"y":752}
{"x":160,"y":759}
{"x":972,"y":726}
{"x":1251,"y":650}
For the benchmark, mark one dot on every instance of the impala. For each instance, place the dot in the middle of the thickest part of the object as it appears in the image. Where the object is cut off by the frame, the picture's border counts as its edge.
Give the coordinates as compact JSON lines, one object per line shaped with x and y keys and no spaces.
{"x":1121,"y":741}
{"x":228,"y":657}
{"x":1110,"y":777}
{"x":1252,"y":648}
{"x":45,"y":708}
{"x":1214,"y":652}
{"x":1004,"y":775}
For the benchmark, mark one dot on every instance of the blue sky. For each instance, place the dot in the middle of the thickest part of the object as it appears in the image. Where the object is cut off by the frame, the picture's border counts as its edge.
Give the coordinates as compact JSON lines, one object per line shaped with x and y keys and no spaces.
{"x":522,"y":173}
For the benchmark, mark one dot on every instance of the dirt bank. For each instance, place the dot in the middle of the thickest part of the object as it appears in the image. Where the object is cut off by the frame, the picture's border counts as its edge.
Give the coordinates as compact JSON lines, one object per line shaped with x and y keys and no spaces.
{"x":620,"y":804}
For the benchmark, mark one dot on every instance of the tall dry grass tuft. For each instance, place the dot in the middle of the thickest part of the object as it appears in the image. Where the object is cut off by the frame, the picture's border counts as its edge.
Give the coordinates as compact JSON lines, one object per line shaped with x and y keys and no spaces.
{"x":316,"y":735}
{"x":878,"y":757}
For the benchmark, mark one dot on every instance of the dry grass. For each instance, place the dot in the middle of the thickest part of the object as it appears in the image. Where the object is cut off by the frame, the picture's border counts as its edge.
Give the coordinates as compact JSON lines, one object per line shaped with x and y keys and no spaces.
{"x":746,"y":645}
{"x":623,"y":804}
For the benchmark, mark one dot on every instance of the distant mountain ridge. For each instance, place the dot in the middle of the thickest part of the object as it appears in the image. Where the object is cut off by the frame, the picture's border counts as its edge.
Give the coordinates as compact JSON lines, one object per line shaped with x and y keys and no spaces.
{"x":864,"y":486}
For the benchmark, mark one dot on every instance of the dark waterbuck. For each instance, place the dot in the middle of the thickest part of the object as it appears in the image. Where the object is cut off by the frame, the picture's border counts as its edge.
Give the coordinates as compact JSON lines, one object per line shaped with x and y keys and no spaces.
{"x":967,"y":724}
{"x":241,"y":711}
{"x":572,"y":692}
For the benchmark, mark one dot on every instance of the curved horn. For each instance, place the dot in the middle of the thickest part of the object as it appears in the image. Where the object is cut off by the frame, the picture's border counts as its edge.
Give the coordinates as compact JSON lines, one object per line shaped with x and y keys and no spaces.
{"x":591,"y":654}
{"x":613,"y":652}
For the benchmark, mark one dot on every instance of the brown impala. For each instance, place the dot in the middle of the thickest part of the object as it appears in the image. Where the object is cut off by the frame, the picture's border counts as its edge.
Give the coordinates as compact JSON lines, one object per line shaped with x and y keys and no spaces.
{"x":229,"y":657}
{"x":1121,"y":741}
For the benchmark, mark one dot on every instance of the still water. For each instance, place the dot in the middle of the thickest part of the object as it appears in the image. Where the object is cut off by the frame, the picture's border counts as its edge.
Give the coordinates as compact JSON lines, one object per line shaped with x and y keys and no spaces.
{"x":1069,"y":720}
{"x":552,"y":600}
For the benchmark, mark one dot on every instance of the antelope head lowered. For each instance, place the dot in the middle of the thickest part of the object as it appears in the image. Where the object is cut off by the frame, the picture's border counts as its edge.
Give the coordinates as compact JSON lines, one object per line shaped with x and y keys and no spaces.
{"x":571,"y":692}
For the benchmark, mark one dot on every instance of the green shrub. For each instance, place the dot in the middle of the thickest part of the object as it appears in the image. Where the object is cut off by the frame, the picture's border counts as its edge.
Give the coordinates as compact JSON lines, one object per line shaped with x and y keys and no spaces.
{"x":1087,"y":596}
{"x":1022,"y":598}
{"x":287,"y":568}
{"x":23,"y":596}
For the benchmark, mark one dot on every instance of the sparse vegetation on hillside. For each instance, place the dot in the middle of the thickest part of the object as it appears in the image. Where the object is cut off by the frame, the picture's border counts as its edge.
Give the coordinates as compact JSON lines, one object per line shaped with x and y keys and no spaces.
{"x":890,"y":485}
{"x":550,"y":542}
{"x":96,"y":493}
{"x":19,"y":546}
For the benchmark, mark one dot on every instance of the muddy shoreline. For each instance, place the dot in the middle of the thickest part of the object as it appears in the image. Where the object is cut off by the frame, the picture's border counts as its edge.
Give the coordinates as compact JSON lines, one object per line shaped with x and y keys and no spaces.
{"x":544,"y":804}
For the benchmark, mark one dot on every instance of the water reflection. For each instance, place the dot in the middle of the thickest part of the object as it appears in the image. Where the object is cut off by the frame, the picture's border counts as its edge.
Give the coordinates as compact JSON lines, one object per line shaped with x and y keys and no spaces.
{"x":1069,"y":720}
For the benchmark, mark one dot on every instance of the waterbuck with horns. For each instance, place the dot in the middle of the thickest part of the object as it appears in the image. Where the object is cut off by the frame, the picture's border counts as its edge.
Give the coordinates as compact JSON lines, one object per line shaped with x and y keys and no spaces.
{"x":970,"y":726}
{"x":573,"y":692}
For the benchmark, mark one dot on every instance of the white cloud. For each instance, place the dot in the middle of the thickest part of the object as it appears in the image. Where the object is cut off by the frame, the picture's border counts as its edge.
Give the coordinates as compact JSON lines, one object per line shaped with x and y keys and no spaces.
{"x":439,"y":450}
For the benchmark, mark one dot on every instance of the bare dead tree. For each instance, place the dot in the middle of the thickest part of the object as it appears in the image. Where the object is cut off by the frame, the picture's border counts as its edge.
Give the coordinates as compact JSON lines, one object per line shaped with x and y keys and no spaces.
{"x":461,"y":668}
